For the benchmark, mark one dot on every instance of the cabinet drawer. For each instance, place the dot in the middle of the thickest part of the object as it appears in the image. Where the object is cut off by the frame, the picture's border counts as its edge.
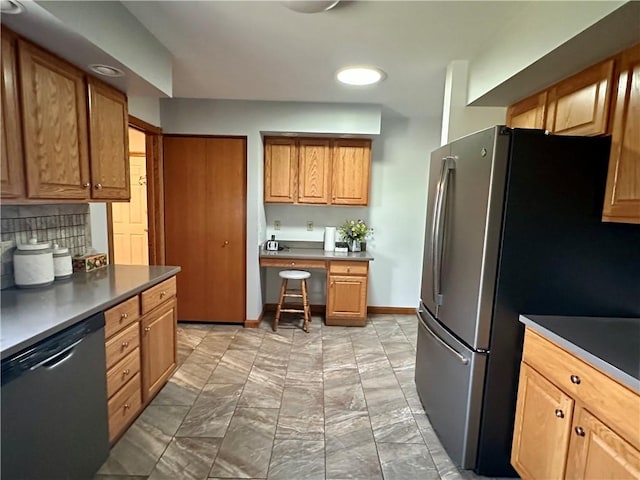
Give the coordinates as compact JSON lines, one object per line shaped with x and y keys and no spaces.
{"x":121,"y":344}
{"x":293,"y":263}
{"x":610,"y":401}
{"x":122,"y":372}
{"x":121,"y":315}
{"x":124,"y":406}
{"x":154,"y":296}
{"x":349,"y":268}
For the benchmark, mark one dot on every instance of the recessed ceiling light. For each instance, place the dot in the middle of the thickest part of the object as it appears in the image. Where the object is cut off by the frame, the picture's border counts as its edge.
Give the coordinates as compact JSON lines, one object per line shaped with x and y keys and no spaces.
{"x":11,"y":7}
{"x":310,"y":6}
{"x":360,"y":75}
{"x":106,"y":70}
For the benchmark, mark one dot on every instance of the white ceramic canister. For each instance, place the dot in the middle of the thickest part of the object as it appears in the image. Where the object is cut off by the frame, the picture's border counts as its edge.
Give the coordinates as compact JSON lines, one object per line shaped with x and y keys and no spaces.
{"x":62,"y":267}
{"x":33,"y":264}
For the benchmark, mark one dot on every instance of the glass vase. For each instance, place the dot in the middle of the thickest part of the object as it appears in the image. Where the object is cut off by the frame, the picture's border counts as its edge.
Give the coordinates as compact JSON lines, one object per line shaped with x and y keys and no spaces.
{"x":354,"y":245}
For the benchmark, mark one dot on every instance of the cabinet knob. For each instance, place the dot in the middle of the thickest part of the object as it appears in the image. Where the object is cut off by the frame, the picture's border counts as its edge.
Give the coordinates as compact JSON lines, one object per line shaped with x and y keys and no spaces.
{"x":86,"y":185}
{"x":127,"y":406}
{"x":125,"y":344}
{"x":575,"y":379}
{"x":125,"y":372}
{"x":98,"y":186}
{"x":163,"y":293}
{"x":348,"y":269}
{"x":332,"y":284}
{"x":290,"y":196}
{"x":226,"y":242}
{"x":559,"y":413}
{"x":293,"y":264}
{"x":124,"y":316}
{"x":580,"y":431}
{"x":147,"y":329}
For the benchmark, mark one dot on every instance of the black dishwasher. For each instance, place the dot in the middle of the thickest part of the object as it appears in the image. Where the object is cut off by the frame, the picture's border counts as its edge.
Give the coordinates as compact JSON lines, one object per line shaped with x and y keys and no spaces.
{"x":54,"y":406}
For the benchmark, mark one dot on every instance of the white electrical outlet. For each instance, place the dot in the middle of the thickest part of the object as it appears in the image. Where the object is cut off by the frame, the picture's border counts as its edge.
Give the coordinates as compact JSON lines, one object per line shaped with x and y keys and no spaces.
{"x":309,"y":226}
{"x":276,"y":224}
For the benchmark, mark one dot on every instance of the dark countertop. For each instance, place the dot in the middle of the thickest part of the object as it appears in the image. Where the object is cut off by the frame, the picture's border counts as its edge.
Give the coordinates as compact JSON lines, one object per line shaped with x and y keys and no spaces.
{"x":31,"y":315}
{"x":610,"y":344}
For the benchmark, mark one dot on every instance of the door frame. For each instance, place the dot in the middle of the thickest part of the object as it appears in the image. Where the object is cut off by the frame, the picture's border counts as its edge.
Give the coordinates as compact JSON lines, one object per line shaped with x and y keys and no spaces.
{"x":155,"y":192}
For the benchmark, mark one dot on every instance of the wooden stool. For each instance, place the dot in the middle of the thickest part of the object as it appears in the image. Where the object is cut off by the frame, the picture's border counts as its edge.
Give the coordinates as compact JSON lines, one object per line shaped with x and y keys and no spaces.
{"x":287,"y":275}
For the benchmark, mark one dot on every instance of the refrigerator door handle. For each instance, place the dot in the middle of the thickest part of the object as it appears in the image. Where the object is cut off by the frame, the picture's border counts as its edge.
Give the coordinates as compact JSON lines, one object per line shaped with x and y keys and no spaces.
{"x":464,"y":360}
{"x":437,"y":226}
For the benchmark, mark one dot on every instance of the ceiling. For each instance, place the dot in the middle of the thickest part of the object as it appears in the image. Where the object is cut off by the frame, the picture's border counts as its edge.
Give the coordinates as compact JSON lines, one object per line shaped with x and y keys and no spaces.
{"x":264,"y":51}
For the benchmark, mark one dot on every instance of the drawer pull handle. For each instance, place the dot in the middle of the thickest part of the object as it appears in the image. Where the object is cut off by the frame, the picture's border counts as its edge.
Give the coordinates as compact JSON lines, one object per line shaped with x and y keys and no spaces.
{"x":125,"y":344}
{"x":86,"y":185}
{"x":162,"y":293}
{"x":127,"y":406}
{"x":559,"y":413}
{"x":98,"y":186}
{"x":125,"y":372}
{"x":147,"y":329}
{"x":293,"y":263}
{"x":575,"y":379}
{"x":348,"y":269}
{"x":124,"y":316}
{"x":580,"y":431}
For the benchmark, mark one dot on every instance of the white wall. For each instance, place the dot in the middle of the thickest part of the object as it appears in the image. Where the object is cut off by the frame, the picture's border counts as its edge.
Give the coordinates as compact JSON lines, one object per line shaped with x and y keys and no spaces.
{"x":246,"y":118}
{"x":458,"y":119}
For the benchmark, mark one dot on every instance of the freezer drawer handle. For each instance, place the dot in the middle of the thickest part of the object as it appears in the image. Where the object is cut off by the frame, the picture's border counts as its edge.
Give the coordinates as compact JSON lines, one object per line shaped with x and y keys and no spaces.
{"x":464,"y":360}
{"x":437,"y":226}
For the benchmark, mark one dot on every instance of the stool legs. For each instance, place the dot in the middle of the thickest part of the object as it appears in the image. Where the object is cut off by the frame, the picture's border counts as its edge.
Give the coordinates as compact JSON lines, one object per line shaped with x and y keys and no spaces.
{"x":283,"y":290}
{"x":305,"y":303}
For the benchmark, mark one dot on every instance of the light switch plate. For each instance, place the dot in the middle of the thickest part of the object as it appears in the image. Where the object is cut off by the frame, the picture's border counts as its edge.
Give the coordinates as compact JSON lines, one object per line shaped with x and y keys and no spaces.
{"x":276,"y":224}
{"x":309,"y":226}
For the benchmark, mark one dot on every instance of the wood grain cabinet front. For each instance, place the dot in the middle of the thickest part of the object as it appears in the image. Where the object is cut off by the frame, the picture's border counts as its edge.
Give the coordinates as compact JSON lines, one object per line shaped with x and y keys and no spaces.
{"x":572,"y":420}
{"x":318,"y":171}
{"x":69,"y":141}
{"x":347,"y":284}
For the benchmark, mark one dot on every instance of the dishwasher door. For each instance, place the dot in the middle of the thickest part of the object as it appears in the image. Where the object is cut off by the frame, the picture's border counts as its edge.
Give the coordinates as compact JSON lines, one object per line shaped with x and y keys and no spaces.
{"x":54,"y":406}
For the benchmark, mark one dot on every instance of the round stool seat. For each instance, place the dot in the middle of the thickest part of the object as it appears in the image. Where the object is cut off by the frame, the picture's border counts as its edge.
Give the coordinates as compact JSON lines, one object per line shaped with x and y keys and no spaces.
{"x":294,"y":274}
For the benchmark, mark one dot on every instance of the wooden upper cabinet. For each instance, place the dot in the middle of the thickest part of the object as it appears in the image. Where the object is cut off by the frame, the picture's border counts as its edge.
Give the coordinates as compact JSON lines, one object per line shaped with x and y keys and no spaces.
{"x":599,"y":452}
{"x":108,"y":136}
{"x":528,"y":113}
{"x":11,"y":171}
{"x":542,"y":427}
{"x":54,"y":103}
{"x":280,"y":170}
{"x":622,"y":197}
{"x":579,"y":105}
{"x":350,"y":172}
{"x":314,"y":163}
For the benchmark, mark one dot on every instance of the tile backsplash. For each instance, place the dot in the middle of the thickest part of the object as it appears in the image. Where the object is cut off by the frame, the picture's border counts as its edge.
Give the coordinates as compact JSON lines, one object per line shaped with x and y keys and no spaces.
{"x":68,"y":225}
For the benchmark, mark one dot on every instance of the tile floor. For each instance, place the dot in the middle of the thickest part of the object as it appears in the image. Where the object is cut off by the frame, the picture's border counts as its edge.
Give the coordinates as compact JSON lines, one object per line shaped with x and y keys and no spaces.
{"x":336,"y":403}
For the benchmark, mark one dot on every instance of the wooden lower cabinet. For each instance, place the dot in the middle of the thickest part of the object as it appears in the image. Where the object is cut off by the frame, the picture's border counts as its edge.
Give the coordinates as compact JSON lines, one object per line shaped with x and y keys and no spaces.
{"x":347,"y":284}
{"x":140,"y":352}
{"x":158,"y":348}
{"x":572,"y":421}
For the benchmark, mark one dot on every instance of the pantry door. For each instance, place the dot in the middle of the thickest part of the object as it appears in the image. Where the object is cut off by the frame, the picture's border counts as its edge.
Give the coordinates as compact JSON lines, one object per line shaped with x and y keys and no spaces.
{"x":205,"y":225}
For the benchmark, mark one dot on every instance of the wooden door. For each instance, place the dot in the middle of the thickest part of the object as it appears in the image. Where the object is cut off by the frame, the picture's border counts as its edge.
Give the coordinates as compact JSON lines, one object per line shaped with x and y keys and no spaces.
{"x":11,"y":166}
{"x":54,"y":108}
{"x":350,"y":172}
{"x":280,"y":170}
{"x":622,"y":198}
{"x":528,"y":113}
{"x":542,"y":427}
{"x":347,"y":296}
{"x":158,"y":348}
{"x":130,"y":226}
{"x":597,"y":452}
{"x":579,"y":105}
{"x":205,"y":219}
{"x":314,"y":163}
{"x":108,"y":135}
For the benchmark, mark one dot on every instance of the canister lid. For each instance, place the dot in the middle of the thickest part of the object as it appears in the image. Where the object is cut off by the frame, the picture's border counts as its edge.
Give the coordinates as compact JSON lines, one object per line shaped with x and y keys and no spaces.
{"x":58,"y":250}
{"x":33,"y":244}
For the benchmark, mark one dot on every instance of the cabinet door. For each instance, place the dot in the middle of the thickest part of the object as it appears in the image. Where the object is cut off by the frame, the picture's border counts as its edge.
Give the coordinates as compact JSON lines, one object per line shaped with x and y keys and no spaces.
{"x":11,"y":173}
{"x":108,"y":133}
{"x":280,"y":170}
{"x":54,"y":125}
{"x":542,"y":427}
{"x":528,"y":113}
{"x":314,"y":162}
{"x":347,"y":296}
{"x":579,"y":105}
{"x":622,"y":198}
{"x":350,"y":172}
{"x":158,"y":348}
{"x":597,"y":452}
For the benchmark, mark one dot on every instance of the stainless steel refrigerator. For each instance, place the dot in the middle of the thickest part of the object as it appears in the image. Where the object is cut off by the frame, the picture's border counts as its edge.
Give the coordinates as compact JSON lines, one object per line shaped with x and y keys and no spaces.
{"x":513,"y":227}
